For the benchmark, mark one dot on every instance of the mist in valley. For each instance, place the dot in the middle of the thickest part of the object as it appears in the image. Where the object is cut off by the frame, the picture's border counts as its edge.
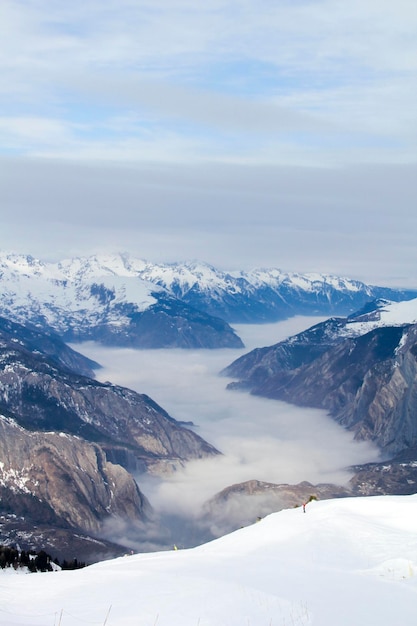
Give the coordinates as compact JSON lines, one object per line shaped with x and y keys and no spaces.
{"x":259,"y":439}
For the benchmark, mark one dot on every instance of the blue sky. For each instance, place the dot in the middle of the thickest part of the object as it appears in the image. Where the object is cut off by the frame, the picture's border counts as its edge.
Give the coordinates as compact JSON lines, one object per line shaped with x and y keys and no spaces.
{"x":245,"y":133}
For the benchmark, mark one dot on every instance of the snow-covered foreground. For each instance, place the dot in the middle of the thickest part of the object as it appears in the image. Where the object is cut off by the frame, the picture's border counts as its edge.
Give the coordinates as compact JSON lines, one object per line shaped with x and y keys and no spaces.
{"x":350,"y":562}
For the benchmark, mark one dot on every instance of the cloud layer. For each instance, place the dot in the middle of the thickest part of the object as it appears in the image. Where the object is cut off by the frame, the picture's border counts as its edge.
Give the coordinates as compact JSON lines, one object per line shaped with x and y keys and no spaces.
{"x":259,"y":439}
{"x":257,"y":81}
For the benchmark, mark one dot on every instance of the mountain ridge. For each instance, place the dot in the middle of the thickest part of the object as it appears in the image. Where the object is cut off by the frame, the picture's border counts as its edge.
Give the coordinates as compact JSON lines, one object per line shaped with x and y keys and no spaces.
{"x":361,"y":369}
{"x":105,"y":301}
{"x":122,"y":300}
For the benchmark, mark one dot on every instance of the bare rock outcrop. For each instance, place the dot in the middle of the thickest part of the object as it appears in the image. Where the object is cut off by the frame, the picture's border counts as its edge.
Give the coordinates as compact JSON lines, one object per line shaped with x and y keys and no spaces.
{"x":41,"y":396}
{"x":68,"y":477}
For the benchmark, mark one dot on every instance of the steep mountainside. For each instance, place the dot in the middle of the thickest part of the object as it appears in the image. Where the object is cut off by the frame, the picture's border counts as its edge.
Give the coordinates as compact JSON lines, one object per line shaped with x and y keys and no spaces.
{"x":133,"y":428}
{"x":67,"y":443}
{"x":65,"y":480}
{"x":366,"y":379}
{"x":46,"y":344}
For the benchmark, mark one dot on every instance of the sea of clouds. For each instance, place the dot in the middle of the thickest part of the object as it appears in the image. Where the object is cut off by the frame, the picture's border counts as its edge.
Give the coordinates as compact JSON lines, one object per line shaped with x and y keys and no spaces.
{"x":259,"y":439}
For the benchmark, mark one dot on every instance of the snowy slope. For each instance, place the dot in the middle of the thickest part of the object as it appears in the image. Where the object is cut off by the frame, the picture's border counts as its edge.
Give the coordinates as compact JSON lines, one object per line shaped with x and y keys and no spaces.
{"x":104,"y":298}
{"x":386,"y":314}
{"x":348,"y":562}
{"x":63,"y":296}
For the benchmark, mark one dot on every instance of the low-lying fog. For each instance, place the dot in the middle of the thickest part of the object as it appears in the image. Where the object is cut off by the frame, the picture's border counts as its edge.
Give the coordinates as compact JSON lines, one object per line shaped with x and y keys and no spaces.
{"x":259,"y":439}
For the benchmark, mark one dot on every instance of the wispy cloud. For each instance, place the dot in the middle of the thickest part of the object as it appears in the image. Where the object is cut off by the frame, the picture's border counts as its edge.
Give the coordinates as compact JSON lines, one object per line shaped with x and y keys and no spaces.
{"x":256,"y":74}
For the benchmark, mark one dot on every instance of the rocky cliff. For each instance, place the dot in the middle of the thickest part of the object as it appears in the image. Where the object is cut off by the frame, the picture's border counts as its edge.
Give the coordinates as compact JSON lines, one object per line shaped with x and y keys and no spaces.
{"x":60,"y":478}
{"x":368,"y":384}
{"x":41,"y":396}
{"x":66,"y":445}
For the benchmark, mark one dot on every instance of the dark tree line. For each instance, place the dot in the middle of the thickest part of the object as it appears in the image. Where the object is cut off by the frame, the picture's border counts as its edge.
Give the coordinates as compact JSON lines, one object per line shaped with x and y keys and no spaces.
{"x":39,"y":561}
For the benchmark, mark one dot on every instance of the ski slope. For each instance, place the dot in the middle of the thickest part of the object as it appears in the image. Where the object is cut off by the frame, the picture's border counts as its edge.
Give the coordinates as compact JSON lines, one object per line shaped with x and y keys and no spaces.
{"x":347,"y":562}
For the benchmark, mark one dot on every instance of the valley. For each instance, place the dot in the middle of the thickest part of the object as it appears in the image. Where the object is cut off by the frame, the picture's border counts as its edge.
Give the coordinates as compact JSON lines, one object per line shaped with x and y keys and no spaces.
{"x":193,"y":425}
{"x":259,"y":439}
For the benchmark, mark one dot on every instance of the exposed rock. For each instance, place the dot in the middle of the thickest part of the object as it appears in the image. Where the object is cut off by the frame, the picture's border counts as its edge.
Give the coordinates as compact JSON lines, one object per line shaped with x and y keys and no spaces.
{"x":394,"y":477}
{"x":41,"y":396}
{"x":62,"y":439}
{"x":64,"y":481}
{"x":245,"y":503}
{"x":367,"y":382}
{"x":261,"y":364}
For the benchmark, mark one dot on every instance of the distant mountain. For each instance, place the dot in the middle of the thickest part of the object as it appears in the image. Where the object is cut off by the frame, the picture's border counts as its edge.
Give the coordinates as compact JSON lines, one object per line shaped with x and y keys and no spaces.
{"x":361,"y":369}
{"x":122,"y":301}
{"x":105,"y":300}
{"x":68,"y":442}
{"x":263,"y":295}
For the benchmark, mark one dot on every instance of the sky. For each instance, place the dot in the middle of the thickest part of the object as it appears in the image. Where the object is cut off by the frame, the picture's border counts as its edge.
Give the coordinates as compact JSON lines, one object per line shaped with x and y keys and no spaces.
{"x":244,"y":133}
{"x":344,"y":562}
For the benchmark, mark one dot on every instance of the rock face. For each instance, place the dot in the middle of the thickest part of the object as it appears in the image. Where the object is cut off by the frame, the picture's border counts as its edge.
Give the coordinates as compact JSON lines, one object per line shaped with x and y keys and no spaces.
{"x":367,"y":382}
{"x":41,"y":396}
{"x":63,"y":479}
{"x":67,"y":443}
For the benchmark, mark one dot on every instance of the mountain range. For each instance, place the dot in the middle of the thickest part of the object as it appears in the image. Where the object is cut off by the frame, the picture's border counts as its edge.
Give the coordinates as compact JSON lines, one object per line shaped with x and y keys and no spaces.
{"x":122,"y":301}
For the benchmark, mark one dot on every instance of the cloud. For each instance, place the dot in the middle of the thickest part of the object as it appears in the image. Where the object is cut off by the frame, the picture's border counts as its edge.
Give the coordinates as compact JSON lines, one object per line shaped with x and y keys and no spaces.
{"x":259,"y":439}
{"x":319,"y":81}
{"x":357,"y":221}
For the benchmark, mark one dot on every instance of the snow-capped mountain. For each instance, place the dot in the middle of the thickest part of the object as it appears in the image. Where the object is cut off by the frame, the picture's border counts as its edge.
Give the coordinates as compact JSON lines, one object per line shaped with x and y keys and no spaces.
{"x":345,"y":562}
{"x":307,"y":345}
{"x":120,"y":300}
{"x":361,"y":369}
{"x":104,"y":299}
{"x":264,"y":295}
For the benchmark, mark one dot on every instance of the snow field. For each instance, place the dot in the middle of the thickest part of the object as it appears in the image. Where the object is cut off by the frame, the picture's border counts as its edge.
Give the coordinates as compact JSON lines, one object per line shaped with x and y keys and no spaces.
{"x":344,"y":562}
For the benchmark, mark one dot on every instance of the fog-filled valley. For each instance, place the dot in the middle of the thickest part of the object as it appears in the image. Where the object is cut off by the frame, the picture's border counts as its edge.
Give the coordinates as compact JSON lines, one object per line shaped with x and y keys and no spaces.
{"x":259,"y":439}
